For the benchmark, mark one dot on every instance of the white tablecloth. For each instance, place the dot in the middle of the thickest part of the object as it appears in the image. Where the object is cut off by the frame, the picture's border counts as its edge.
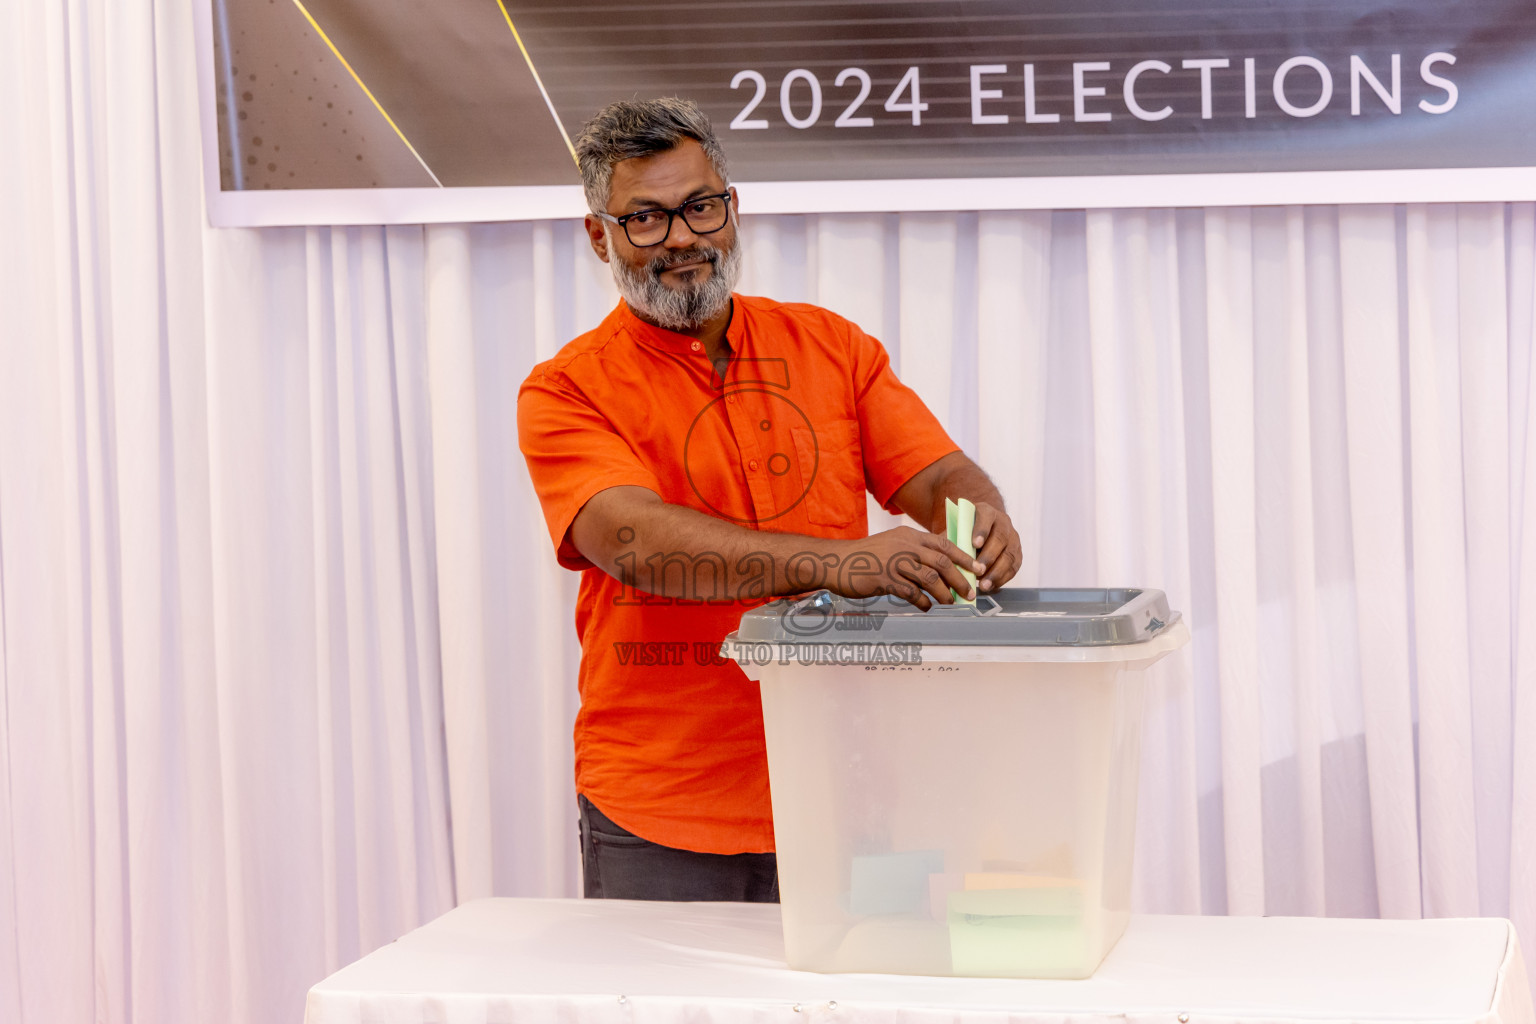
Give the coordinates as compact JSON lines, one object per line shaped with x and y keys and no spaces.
{"x":617,"y":962}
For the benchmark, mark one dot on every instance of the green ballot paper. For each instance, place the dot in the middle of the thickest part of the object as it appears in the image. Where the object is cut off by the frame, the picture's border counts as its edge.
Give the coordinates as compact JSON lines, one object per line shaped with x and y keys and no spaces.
{"x":960,"y":519}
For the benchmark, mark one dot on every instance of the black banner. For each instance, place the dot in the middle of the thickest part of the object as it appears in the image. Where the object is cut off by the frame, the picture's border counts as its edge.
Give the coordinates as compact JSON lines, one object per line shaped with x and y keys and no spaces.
{"x":328,"y":94}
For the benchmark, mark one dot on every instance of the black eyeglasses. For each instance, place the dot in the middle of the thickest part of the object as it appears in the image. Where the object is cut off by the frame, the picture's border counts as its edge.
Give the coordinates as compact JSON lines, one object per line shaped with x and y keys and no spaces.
{"x":704,"y":216}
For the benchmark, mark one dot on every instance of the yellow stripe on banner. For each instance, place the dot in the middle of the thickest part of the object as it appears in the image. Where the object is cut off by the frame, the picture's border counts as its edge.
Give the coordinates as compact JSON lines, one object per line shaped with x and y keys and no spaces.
{"x":537,"y":80}
{"x":366,"y":91}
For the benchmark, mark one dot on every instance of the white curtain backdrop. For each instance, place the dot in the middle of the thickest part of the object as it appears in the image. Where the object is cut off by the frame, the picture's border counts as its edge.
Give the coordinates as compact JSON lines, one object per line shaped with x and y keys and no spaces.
{"x":287,"y":666}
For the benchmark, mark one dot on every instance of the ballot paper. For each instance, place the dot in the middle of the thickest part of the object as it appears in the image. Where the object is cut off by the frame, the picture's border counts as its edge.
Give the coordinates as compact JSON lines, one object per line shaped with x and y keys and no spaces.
{"x":1002,"y":923}
{"x":892,"y":883}
{"x":960,"y":518}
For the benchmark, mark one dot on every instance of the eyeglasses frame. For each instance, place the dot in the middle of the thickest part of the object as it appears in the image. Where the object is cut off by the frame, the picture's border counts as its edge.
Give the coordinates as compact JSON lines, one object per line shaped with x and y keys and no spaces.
{"x":672,"y":215}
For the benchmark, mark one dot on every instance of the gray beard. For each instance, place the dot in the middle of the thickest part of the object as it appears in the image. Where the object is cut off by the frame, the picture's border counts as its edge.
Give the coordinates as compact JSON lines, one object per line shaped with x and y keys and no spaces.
{"x":689,"y":306}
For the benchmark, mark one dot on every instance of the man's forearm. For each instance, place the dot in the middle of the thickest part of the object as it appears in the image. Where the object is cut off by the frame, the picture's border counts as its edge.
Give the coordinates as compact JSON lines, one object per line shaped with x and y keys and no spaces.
{"x":963,"y":480}
{"x":677,"y":552}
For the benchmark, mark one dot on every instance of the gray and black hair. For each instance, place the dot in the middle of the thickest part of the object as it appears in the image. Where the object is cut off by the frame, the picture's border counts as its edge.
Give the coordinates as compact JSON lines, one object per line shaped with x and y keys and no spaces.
{"x":634,"y":128}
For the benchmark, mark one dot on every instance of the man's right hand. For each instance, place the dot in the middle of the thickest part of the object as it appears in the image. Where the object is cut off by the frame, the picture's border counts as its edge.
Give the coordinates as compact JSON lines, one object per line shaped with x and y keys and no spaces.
{"x":919,"y":567}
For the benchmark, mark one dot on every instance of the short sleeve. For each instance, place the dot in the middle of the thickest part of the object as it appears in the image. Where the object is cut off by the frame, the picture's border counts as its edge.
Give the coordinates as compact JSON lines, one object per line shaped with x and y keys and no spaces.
{"x":572,"y":452}
{"x":902,"y":437}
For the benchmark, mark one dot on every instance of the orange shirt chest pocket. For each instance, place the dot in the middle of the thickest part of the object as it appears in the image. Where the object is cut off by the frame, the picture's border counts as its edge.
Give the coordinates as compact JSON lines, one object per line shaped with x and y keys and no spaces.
{"x":831,"y":463}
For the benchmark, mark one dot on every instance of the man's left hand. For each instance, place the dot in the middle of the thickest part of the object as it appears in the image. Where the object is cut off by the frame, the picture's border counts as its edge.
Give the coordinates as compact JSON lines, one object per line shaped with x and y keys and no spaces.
{"x":997,"y":547}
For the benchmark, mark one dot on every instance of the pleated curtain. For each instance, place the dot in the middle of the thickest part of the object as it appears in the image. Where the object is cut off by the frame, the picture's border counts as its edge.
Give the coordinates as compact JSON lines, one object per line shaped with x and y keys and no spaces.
{"x":287,"y":666}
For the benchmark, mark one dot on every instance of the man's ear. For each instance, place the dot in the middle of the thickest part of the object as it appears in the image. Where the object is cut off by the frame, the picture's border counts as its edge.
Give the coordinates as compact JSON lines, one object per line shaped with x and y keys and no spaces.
{"x":597,"y":234}
{"x":735,"y":199}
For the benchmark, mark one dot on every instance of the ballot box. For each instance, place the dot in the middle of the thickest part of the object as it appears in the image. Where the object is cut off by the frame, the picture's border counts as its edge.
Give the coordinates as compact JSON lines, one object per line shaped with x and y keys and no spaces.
{"x":954,"y":791}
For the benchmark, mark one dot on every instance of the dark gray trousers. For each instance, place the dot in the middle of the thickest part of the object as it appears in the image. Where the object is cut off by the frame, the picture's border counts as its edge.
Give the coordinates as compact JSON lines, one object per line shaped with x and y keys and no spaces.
{"x":616,"y":864}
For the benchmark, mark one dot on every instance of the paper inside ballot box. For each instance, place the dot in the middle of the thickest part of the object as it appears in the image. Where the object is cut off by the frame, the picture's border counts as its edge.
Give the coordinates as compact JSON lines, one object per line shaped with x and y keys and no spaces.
{"x":892,"y":883}
{"x":994,"y":894}
{"x":1003,"y":923}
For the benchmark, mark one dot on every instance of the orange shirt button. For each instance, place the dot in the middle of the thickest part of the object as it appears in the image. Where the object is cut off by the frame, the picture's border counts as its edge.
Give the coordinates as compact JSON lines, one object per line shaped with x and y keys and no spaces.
{"x":697,"y":346}
{"x":752,"y":465}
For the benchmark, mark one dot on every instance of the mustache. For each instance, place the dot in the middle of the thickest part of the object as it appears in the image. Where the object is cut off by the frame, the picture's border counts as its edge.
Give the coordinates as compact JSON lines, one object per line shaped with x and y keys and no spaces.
{"x":668,"y":260}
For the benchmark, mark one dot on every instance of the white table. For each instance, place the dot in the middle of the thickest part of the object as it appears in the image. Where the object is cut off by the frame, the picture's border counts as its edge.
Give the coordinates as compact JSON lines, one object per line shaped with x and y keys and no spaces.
{"x":499,"y":961}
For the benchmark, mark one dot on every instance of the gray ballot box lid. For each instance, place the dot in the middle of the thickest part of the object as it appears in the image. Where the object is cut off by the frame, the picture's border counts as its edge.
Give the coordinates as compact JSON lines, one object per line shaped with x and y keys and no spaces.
{"x":1012,"y":617}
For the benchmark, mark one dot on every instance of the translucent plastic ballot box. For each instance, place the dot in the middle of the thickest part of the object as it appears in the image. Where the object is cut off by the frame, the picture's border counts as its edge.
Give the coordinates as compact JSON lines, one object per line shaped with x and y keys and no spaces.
{"x":954,"y":791}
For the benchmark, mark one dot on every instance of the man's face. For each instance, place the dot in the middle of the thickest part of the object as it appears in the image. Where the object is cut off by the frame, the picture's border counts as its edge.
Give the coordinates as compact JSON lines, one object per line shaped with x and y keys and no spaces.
{"x":687,"y":278}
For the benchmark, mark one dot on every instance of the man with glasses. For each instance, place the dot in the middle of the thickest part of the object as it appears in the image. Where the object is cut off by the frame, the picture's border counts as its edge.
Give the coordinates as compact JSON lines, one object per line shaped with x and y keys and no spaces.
{"x":697,"y":454}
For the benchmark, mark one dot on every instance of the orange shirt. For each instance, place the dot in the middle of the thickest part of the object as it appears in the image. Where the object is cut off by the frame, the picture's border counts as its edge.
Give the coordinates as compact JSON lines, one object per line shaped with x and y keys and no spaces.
{"x":669,"y":739}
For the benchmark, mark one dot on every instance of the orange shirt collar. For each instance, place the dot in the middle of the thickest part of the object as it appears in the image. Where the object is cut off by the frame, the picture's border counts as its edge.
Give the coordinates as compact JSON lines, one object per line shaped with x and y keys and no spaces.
{"x":671,"y":341}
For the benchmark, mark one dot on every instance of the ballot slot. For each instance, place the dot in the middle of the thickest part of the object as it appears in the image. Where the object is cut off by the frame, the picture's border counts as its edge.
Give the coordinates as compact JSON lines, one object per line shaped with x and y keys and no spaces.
{"x":1022,"y":616}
